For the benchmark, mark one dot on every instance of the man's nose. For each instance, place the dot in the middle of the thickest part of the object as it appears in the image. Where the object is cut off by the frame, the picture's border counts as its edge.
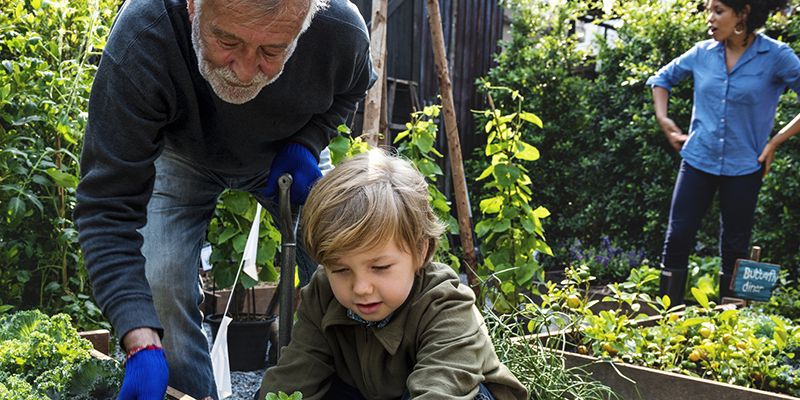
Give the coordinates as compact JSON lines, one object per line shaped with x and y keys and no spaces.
{"x":246,"y":66}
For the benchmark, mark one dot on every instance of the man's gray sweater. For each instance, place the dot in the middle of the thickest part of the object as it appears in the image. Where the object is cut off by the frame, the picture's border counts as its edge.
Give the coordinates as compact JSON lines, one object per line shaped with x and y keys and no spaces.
{"x":148,"y":94}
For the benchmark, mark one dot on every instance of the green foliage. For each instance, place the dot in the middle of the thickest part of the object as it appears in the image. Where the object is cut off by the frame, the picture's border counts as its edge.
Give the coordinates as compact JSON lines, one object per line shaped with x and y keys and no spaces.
{"x":542,"y":60}
{"x":14,"y":388}
{"x":704,"y":275}
{"x":780,"y":192}
{"x":43,"y":357}
{"x":284,"y":396}
{"x":785,"y":300}
{"x":228,"y":233}
{"x":346,"y":146}
{"x":744,"y":347}
{"x":511,"y":229}
{"x":420,"y":136}
{"x":608,"y":168}
{"x":643,"y":279}
{"x":47,"y":56}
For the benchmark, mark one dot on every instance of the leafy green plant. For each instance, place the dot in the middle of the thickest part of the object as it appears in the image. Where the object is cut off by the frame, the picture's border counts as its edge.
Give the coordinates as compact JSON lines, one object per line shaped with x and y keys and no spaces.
{"x":284,"y":396}
{"x":48,"y":51}
{"x":228,"y":233}
{"x":643,"y":279}
{"x":43,"y":357}
{"x":743,"y":347}
{"x":785,"y":300}
{"x":345,"y":145}
{"x":511,"y":229}
{"x":416,"y":143}
{"x":704,"y":275}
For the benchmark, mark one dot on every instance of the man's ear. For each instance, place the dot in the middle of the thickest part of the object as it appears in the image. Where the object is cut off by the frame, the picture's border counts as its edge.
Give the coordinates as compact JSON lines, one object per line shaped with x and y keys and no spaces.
{"x":190,"y":8}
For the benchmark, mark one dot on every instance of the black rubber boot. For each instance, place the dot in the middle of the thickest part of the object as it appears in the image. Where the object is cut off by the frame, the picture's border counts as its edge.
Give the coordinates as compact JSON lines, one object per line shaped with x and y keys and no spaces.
{"x":673,"y":284}
{"x":725,"y":286}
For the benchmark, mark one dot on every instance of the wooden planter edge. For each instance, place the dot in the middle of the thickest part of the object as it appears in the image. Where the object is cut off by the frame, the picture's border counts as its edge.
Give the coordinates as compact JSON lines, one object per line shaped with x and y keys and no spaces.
{"x":637,"y":382}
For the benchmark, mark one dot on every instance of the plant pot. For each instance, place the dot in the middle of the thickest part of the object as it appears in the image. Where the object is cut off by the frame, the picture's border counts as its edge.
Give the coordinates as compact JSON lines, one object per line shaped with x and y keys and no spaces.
{"x":214,"y":301}
{"x":247,"y":340}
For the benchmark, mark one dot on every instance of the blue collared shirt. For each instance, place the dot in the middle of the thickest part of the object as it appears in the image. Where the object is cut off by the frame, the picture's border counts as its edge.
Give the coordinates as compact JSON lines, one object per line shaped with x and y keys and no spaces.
{"x":733,"y":112}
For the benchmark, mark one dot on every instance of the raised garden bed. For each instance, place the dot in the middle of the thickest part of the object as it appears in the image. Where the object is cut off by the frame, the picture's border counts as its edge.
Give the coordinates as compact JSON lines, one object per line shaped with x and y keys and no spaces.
{"x":687,"y":345}
{"x":635,"y":382}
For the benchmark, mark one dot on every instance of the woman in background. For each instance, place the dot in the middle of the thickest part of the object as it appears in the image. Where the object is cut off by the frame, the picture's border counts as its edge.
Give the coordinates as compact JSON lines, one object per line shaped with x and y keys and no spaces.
{"x":738,"y":76}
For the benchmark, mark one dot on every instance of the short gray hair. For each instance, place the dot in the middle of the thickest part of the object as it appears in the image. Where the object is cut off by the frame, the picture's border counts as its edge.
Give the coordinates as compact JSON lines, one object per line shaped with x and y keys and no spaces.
{"x":268,"y":7}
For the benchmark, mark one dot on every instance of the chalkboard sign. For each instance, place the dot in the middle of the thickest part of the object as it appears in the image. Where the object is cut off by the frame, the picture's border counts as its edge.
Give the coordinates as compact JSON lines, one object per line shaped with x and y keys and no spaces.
{"x":753,"y":280}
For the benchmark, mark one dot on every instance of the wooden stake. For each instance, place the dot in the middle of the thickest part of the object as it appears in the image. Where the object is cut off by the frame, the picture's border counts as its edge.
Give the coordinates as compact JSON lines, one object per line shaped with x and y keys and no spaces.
{"x":374,"y":99}
{"x":453,"y":140}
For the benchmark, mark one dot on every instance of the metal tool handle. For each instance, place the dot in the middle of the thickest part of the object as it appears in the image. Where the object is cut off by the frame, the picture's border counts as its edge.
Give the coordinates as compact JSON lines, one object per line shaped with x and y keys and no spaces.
{"x":288,"y":230}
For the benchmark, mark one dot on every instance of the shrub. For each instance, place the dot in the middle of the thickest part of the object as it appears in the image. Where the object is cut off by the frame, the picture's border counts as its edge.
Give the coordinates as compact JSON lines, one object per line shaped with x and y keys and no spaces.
{"x":47,"y":51}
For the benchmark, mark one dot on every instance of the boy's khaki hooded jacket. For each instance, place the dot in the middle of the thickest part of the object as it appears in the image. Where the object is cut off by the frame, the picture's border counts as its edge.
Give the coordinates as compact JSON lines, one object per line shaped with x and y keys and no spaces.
{"x":434,"y":346}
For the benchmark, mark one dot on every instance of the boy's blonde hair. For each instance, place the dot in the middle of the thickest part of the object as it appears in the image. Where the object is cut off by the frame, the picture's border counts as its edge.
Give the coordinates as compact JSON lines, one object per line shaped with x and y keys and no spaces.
{"x":367,"y":201}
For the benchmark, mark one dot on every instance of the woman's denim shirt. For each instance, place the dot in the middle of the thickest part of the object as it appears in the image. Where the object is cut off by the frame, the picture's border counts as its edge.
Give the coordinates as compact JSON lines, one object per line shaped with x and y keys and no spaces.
{"x":733,"y":112}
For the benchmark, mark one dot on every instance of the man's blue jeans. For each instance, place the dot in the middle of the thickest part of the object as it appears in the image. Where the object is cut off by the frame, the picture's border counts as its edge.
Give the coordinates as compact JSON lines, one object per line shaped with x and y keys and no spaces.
{"x":694,"y":191}
{"x":183,"y":201}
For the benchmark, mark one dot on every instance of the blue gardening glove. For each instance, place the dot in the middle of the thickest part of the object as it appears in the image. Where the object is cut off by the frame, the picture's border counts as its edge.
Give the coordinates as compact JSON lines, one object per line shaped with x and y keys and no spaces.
{"x":146,"y":376}
{"x":297,"y":160}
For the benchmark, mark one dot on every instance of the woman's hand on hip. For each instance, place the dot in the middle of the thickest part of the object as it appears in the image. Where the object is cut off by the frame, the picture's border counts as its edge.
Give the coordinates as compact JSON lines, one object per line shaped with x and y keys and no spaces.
{"x":766,"y":157}
{"x":675,"y":135}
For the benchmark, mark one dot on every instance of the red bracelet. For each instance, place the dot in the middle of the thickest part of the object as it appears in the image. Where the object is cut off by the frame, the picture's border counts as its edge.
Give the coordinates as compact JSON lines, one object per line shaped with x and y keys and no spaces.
{"x":135,"y":350}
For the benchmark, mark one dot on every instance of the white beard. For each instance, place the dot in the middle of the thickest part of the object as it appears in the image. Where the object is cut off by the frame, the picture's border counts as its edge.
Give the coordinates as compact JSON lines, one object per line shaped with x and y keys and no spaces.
{"x":223,"y":80}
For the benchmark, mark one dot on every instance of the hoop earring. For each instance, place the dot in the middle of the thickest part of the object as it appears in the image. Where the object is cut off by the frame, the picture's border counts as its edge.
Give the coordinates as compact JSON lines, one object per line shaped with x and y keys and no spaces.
{"x":739,"y":28}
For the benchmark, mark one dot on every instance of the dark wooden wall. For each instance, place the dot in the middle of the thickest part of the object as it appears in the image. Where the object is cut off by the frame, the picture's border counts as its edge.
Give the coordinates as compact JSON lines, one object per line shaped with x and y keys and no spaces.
{"x":472,"y":29}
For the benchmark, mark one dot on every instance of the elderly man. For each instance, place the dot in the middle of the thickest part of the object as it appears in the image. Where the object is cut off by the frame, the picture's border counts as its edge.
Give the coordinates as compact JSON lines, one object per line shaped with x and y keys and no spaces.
{"x":191,"y":99}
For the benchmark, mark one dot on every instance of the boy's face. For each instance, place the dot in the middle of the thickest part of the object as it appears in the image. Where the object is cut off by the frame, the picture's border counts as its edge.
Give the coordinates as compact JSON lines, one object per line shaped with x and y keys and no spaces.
{"x":375,"y":282}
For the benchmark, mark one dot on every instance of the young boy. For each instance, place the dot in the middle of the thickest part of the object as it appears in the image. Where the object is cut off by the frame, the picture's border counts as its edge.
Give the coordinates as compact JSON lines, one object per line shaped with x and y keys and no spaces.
{"x":379,"y":320}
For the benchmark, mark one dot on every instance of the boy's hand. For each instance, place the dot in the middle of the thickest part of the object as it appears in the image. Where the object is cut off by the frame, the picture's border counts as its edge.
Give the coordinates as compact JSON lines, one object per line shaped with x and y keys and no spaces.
{"x":297,"y":160}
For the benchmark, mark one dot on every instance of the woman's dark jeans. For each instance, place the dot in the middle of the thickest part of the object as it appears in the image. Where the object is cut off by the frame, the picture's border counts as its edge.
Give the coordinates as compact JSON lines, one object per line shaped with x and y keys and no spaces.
{"x":694,"y":191}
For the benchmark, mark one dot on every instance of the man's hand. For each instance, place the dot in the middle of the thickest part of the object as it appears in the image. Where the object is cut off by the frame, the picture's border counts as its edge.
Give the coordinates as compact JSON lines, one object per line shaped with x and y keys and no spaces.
{"x":146,"y":373}
{"x":297,"y":160}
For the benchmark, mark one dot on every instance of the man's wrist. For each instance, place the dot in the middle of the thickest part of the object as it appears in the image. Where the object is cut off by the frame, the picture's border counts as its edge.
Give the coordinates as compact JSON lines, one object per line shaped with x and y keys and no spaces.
{"x":141,"y":337}
{"x":133,"y":351}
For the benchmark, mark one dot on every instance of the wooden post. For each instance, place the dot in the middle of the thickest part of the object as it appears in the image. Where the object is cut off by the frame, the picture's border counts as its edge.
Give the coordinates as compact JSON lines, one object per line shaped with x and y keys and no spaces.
{"x":453,"y":140}
{"x":755,"y":253}
{"x":374,"y":99}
